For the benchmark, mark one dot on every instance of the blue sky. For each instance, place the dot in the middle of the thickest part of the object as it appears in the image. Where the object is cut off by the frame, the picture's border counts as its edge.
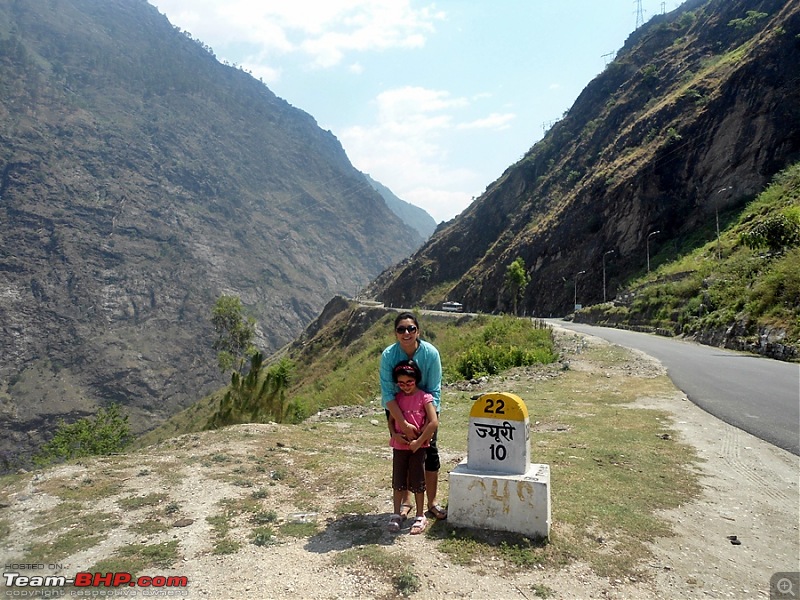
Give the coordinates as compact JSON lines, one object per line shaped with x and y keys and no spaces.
{"x":432,"y":99}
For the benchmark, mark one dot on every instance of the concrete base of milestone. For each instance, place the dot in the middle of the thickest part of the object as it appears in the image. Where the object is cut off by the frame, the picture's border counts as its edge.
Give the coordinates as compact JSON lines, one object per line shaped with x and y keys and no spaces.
{"x":516,"y":503}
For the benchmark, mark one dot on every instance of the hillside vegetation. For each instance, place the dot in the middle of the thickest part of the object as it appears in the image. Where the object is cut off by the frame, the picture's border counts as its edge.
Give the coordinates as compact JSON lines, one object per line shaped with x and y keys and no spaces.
{"x":741,"y":291}
{"x":335,"y":363}
{"x":750,"y":278}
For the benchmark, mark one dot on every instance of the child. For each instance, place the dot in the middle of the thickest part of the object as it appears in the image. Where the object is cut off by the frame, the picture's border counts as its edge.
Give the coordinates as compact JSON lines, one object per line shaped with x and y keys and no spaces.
{"x":408,"y":465}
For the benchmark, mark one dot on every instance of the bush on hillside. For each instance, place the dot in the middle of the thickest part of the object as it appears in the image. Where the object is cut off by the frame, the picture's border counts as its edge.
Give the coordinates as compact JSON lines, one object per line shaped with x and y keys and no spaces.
{"x":252,"y":398}
{"x":107,"y":432}
{"x":506,"y":342}
{"x":775,"y":233}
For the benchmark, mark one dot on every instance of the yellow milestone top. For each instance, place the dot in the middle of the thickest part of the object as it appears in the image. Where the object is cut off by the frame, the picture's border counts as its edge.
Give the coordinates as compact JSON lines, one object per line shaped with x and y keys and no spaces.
{"x":500,"y":405}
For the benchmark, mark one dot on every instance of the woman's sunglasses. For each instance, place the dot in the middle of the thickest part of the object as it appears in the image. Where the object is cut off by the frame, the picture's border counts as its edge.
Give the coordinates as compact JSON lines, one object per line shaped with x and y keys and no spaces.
{"x":406,"y":329}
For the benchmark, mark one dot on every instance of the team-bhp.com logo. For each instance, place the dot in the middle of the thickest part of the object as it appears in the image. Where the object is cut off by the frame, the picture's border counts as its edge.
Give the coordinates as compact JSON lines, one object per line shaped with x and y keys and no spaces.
{"x":81,"y":580}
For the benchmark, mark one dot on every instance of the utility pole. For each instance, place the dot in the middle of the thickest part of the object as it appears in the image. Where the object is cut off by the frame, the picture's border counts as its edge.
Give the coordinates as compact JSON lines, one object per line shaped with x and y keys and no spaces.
{"x":649,"y":235}
{"x":716,"y":215}
{"x":575,"y":298}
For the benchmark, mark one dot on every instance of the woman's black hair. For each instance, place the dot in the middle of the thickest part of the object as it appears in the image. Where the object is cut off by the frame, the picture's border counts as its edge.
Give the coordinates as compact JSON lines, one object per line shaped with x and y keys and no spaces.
{"x":407,"y":367}
{"x":406,"y":315}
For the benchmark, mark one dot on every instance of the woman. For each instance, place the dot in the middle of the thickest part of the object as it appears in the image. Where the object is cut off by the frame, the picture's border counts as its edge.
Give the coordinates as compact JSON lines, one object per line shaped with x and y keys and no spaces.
{"x":409,"y":346}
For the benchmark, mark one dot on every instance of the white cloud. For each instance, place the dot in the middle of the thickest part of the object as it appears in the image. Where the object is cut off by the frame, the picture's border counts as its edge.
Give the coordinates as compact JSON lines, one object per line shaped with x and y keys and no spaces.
{"x":412,"y":102}
{"x":324,"y":32}
{"x":404,"y":148}
{"x":496,"y":121}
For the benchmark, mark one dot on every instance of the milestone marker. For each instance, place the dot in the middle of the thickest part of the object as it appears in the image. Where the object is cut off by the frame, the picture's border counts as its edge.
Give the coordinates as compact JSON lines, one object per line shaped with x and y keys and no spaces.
{"x":496,"y":487}
{"x":499,"y":434}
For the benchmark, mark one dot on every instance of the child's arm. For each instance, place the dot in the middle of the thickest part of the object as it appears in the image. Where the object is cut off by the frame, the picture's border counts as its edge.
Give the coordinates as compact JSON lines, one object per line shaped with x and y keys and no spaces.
{"x":393,"y":433}
{"x":431,"y":423}
{"x":407,"y":428}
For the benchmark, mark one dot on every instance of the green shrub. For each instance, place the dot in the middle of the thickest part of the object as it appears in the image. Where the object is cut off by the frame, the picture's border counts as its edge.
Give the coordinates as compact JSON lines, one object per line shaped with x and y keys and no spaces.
{"x":406,"y":582}
{"x":778,"y":288}
{"x":650,"y":75}
{"x":775,"y":232}
{"x":263,"y":536}
{"x":491,"y":360}
{"x":506,"y":342}
{"x":106,"y":432}
{"x":752,"y":18}
{"x":253,"y":397}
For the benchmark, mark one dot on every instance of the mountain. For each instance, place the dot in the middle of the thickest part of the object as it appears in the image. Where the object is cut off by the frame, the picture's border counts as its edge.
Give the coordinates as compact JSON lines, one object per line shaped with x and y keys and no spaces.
{"x":140,"y":179}
{"x":413,"y":216}
{"x":699,"y":109}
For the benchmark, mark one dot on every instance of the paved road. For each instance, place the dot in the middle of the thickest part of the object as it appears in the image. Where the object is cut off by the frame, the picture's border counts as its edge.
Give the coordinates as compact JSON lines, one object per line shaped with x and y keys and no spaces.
{"x":756,"y":394}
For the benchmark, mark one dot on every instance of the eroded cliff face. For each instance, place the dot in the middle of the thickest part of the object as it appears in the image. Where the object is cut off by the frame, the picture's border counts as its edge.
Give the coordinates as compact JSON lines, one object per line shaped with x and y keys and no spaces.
{"x":692,"y":105}
{"x":140,"y":179}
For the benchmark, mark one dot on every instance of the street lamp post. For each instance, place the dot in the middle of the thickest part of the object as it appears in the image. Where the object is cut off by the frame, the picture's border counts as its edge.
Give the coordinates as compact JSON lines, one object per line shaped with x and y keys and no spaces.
{"x":649,"y":235}
{"x":575,"y":298}
{"x":607,"y":252}
{"x":716,"y":216}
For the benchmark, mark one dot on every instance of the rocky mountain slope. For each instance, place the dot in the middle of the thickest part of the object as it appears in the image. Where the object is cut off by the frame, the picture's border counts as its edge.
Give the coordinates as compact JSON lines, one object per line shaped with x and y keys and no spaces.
{"x":140,"y":178}
{"x":693,"y":117}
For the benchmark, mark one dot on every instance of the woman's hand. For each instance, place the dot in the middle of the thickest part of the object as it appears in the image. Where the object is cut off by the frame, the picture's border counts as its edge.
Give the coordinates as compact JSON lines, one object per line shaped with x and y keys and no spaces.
{"x":410,"y":431}
{"x":399,"y":437}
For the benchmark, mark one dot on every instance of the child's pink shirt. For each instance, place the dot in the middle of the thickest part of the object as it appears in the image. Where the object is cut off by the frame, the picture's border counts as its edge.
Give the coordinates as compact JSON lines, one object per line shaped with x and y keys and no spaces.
{"x":413,"y":409}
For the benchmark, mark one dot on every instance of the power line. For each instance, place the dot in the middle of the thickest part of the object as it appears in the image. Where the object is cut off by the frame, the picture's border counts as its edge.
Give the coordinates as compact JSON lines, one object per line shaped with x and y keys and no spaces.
{"x":639,"y":14}
{"x":546,"y":125}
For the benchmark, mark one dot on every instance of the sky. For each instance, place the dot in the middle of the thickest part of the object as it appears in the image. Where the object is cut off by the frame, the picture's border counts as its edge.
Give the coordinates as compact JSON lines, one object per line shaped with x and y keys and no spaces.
{"x":432,"y":99}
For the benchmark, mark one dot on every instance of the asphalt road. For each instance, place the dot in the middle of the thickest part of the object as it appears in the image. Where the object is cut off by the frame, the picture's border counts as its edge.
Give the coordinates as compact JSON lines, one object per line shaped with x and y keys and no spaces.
{"x":756,"y":394}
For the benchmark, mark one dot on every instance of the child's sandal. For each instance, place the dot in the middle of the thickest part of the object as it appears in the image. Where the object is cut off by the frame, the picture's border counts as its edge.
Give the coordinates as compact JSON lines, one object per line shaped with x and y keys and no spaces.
{"x":419,"y":525}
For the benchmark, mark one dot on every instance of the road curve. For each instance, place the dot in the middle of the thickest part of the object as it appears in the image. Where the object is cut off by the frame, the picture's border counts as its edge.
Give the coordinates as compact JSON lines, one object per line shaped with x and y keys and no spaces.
{"x":756,"y":394}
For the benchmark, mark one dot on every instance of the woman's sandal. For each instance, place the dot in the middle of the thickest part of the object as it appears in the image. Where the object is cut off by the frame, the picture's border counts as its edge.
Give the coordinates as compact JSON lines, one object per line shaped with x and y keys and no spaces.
{"x":438,"y":512}
{"x":405,"y":510}
{"x":419,"y":525}
{"x":394,"y":523}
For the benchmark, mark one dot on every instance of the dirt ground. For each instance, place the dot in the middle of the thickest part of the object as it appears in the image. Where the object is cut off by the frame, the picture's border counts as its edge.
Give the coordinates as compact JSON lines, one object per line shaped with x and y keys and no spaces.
{"x":750,"y":491}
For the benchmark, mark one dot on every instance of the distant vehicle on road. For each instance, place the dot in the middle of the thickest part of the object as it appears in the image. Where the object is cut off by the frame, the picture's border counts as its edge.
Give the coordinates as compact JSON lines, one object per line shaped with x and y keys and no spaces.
{"x":450,"y":306}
